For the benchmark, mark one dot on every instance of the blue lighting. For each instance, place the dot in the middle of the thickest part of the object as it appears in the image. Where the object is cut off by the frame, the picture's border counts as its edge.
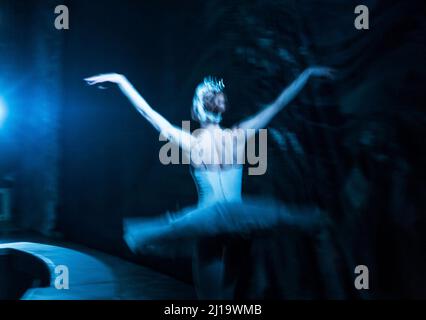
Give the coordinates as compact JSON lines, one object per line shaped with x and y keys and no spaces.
{"x":2,"y":111}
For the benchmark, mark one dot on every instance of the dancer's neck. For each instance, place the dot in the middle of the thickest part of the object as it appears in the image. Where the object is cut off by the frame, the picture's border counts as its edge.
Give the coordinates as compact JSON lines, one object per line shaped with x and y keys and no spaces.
{"x":210,"y":126}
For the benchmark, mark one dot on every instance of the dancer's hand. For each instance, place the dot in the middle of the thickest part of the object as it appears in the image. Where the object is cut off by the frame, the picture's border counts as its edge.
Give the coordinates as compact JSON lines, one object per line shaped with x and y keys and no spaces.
{"x":321,"y":72}
{"x":108,"y":77}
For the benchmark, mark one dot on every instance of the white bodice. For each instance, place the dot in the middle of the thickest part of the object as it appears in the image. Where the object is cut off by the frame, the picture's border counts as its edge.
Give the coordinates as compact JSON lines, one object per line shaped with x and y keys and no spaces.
{"x":218,"y":185}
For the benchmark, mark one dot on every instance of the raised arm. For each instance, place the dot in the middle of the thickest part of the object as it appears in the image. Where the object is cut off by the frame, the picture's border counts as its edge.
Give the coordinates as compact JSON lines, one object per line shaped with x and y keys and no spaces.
{"x":262,"y":118}
{"x":172,"y":133}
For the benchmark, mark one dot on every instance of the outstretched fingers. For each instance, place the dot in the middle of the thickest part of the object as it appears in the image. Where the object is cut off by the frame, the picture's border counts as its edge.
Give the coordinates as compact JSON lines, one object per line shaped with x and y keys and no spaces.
{"x":94,"y":80}
{"x":107,"y":77}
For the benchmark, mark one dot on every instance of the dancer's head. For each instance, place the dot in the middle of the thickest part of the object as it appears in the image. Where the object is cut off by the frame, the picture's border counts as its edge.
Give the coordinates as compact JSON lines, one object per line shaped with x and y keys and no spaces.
{"x":209,"y":101}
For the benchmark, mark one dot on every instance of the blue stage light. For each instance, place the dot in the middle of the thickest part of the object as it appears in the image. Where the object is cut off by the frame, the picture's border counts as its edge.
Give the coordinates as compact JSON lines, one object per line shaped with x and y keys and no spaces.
{"x":3,"y":111}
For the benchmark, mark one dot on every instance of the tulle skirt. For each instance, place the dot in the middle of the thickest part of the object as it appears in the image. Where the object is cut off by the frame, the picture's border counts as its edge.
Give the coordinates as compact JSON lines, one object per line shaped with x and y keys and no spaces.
{"x":234,"y":219}
{"x":211,"y":232}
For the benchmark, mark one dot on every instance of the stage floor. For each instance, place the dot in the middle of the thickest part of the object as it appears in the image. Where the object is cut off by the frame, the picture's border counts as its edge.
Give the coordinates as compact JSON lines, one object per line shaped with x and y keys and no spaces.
{"x":94,"y":275}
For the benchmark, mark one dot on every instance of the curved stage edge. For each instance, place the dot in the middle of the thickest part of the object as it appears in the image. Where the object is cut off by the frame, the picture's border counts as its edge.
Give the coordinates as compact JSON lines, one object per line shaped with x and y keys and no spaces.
{"x":37,"y":271}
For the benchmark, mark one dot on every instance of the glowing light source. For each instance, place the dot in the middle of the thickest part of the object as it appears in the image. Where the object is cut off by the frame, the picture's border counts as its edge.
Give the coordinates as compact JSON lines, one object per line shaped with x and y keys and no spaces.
{"x":2,"y":111}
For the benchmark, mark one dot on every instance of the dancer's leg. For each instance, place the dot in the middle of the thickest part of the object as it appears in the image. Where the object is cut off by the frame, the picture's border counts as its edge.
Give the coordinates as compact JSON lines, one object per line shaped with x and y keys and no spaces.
{"x":208,"y":269}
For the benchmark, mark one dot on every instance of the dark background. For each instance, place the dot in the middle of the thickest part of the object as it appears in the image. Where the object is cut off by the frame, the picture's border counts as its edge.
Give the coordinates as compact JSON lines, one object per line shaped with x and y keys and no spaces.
{"x":82,"y":159}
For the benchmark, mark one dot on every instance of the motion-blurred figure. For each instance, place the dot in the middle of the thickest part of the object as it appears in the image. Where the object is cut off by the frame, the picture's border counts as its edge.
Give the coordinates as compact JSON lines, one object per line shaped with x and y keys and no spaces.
{"x":220,"y":210}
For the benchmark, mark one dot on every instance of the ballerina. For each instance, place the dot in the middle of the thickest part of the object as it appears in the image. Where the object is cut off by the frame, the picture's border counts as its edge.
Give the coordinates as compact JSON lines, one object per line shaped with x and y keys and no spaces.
{"x":220,"y":210}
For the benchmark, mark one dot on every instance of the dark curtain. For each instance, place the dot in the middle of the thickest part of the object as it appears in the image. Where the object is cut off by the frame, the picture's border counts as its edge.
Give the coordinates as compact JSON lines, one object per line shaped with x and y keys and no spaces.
{"x":84,"y":159}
